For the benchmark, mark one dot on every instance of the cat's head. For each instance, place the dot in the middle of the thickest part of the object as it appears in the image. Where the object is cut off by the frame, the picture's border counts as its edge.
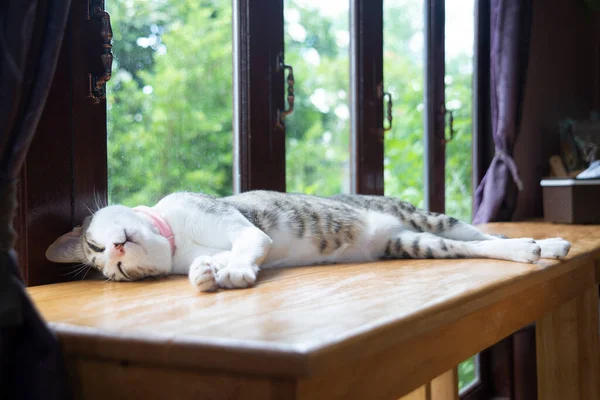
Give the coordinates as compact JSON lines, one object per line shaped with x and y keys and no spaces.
{"x":121,"y":243}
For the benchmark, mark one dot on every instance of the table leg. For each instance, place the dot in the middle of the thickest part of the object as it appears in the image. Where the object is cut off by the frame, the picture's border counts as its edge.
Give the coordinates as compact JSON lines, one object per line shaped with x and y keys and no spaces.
{"x":444,"y":387}
{"x":568,"y":350}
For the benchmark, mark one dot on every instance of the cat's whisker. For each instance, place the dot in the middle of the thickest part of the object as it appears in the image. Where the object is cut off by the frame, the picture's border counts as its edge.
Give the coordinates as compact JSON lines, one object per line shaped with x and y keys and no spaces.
{"x":96,"y":199}
{"x":86,"y":272}
{"x":74,"y":266}
{"x":86,"y":265}
{"x":72,"y":273}
{"x":88,"y":208}
{"x":79,"y":272}
{"x":75,"y":269}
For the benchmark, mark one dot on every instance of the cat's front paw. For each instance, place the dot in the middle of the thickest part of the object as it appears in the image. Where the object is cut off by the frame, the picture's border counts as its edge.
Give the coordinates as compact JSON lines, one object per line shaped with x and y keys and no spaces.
{"x":203,"y":274}
{"x":522,"y":250}
{"x":236,"y":276}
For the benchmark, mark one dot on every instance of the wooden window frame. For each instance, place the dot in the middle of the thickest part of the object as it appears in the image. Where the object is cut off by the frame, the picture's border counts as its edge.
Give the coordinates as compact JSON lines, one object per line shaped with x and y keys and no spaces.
{"x":259,"y":141}
{"x":483,"y":145}
{"x":65,"y":170}
{"x":435,"y":106}
{"x":366,"y":96}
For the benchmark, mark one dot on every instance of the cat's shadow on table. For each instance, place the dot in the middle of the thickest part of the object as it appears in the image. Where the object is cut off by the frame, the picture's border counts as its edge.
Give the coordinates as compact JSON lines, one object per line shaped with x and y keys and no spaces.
{"x":265,"y":275}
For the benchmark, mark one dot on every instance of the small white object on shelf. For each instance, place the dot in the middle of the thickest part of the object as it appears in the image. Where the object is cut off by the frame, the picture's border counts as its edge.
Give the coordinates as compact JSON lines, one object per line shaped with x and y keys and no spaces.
{"x":592,"y":172}
{"x":569,"y":182}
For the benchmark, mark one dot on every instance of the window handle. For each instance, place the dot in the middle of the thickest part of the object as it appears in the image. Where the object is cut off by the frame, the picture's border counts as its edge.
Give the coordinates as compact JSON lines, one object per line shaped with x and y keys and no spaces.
{"x":388,"y":106}
{"x":97,"y":84}
{"x":388,"y":111}
{"x":281,"y":66}
{"x":450,"y":125}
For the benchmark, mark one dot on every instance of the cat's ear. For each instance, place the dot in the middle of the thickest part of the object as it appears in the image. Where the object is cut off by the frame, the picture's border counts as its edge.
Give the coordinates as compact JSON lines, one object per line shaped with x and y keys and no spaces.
{"x":67,"y":248}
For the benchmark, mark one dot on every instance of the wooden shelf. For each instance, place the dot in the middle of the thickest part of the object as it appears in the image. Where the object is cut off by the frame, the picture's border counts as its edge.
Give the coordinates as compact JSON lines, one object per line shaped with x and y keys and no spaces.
{"x":314,"y":332}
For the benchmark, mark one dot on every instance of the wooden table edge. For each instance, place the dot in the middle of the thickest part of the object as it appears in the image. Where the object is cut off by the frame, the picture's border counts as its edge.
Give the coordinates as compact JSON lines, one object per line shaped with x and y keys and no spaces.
{"x":160,"y":350}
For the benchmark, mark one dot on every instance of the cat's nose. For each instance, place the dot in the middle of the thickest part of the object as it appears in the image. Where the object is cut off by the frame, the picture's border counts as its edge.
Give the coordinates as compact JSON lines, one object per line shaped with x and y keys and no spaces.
{"x":119,"y":248}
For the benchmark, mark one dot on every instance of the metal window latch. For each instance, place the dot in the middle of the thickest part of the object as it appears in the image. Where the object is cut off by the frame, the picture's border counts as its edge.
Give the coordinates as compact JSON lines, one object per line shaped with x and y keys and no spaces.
{"x":388,"y":107}
{"x":451,"y":130}
{"x":97,"y":84}
{"x":388,"y":111}
{"x":281,"y":114}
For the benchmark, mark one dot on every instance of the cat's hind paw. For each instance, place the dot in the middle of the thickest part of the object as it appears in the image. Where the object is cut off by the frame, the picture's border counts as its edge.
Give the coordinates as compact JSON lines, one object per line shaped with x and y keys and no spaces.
{"x":523,"y":250}
{"x":555,"y":248}
{"x":236,"y":276}
{"x":202,"y":274}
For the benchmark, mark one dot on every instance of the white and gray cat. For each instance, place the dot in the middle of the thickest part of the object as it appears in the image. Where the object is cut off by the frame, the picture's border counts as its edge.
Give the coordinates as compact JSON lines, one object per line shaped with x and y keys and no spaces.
{"x":223,"y":242}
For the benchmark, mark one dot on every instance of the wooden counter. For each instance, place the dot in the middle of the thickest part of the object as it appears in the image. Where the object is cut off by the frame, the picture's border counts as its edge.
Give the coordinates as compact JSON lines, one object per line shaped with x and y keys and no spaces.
{"x":353,"y":331}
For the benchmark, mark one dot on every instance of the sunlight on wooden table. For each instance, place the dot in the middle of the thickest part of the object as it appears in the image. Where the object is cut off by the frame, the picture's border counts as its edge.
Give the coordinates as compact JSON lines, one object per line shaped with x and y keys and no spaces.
{"x":352,"y":331}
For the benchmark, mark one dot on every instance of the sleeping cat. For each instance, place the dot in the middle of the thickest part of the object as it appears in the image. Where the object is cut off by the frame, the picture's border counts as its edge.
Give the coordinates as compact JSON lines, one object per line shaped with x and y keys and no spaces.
{"x":223,"y":242}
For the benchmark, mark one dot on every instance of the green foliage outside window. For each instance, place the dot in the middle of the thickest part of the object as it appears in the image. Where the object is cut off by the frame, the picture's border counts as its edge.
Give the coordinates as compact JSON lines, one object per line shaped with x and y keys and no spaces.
{"x":170,"y":100}
{"x":170,"y":104}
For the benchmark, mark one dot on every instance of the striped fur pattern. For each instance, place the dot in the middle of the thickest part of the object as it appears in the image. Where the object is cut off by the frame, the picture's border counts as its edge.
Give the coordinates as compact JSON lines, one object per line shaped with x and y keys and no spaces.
{"x":223,"y":242}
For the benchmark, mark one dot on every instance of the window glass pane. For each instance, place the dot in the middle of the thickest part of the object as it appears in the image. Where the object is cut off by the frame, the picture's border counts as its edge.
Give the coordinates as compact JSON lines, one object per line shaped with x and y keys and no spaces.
{"x":459,"y":94}
{"x":170,"y":99}
{"x":403,"y":55}
{"x":459,"y":34}
{"x":468,"y":373}
{"x":318,"y":131}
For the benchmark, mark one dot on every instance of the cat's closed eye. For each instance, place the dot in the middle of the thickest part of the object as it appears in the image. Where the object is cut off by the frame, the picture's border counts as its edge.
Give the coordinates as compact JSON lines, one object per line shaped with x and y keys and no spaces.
{"x":95,"y":248}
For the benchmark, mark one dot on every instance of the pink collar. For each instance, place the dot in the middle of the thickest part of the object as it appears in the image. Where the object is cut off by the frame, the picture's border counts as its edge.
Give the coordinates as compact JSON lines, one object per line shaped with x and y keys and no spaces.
{"x":160,"y":223}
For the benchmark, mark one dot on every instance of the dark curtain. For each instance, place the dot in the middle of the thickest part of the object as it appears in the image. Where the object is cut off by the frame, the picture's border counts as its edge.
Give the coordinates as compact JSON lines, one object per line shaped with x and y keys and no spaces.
{"x":31,"y":33}
{"x":510,"y":26}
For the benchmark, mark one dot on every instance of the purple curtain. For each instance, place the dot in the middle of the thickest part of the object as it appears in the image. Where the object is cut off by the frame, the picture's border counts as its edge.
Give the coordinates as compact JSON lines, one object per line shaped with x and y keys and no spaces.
{"x":510,"y":25}
{"x":496,"y":195}
{"x":31,"y":33}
